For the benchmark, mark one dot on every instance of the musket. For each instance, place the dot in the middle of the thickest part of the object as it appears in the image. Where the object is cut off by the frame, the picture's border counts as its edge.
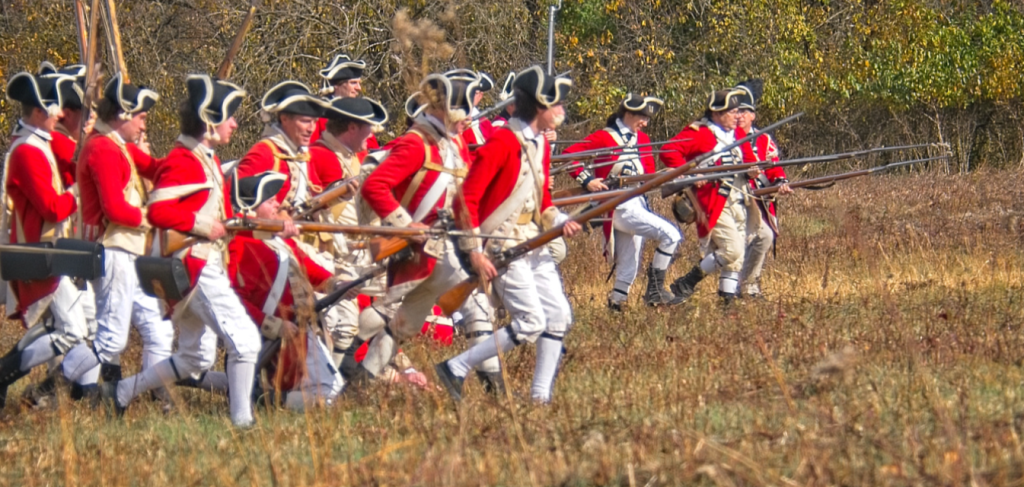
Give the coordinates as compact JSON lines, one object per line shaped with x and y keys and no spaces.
{"x":114,"y":37}
{"x":579,"y":164}
{"x":92,"y":76}
{"x":19,"y":249}
{"x":846,"y":175}
{"x":225,"y":66}
{"x":604,"y":195}
{"x":339,"y":189}
{"x":551,"y":36}
{"x":453,"y":299}
{"x":604,"y":151}
{"x":81,"y":28}
{"x":677,"y":186}
{"x":502,"y":104}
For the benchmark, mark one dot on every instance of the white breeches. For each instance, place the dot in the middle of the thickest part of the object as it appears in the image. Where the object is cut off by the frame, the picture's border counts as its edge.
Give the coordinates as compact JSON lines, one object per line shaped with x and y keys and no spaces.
{"x":68,"y":321}
{"x":531,"y":290}
{"x":322,"y":382}
{"x":633,"y":224}
{"x":213,"y":309}
{"x":758,"y":245}
{"x":120,"y":303}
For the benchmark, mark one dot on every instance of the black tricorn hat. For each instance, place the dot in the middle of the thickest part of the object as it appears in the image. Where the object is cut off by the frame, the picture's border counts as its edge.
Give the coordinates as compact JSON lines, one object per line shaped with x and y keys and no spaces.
{"x":253,"y":191}
{"x":131,"y":99}
{"x":43,"y":92}
{"x":486,"y":83}
{"x":752,"y":90}
{"x":72,"y":94}
{"x":545,"y":90}
{"x":642,"y":105}
{"x":215,"y":101}
{"x":361,"y":109}
{"x":292,"y":97}
{"x":454,"y":90}
{"x":724,"y":100}
{"x":342,"y":68}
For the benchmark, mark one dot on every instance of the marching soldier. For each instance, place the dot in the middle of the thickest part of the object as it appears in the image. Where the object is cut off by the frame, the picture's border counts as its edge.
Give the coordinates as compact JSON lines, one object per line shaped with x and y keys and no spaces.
{"x":110,"y":172}
{"x":633,"y":221}
{"x":507,"y":192}
{"x":721,"y":204}
{"x":343,"y":78}
{"x":65,"y":135}
{"x":335,"y":157}
{"x":276,"y":282}
{"x":762,"y":149}
{"x":415,"y":185}
{"x":479,"y":130}
{"x":38,"y":209}
{"x":190,"y":196}
{"x":284,"y":147}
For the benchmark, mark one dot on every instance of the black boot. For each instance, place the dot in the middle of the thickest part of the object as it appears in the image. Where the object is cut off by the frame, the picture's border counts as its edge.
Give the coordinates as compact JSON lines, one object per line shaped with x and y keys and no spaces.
{"x":451,"y":382}
{"x":44,"y":393}
{"x":685,"y":286}
{"x":493,"y":382}
{"x":108,"y":396}
{"x":728,"y":298}
{"x":110,"y":372}
{"x":656,"y":294}
{"x":10,"y":372}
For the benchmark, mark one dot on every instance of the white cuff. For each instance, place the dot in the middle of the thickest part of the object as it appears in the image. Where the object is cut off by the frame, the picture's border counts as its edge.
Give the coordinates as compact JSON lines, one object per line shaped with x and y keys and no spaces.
{"x":203,"y":225}
{"x":470,"y":244}
{"x":398,"y":218}
{"x":552,"y":217}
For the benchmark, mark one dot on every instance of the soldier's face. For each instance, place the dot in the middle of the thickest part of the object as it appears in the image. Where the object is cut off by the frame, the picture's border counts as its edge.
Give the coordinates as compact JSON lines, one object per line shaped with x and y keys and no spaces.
{"x":349,"y":88}
{"x":298,"y":128}
{"x":727,"y":120}
{"x":550,"y":118}
{"x":226,"y":130}
{"x":746,"y":120}
{"x":635,"y":122}
{"x":45,"y":122}
{"x":133,"y":129}
{"x":268,"y":209}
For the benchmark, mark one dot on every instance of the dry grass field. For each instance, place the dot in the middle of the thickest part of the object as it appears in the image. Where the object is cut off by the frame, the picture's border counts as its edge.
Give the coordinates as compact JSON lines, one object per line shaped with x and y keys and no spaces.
{"x":887,"y":353}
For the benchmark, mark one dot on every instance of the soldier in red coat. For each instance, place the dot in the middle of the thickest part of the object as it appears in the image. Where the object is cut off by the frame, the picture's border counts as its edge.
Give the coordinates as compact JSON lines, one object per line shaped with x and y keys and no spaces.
{"x":335,"y":157}
{"x":284,"y":146}
{"x":507,"y":193}
{"x":111,"y":169}
{"x":65,"y":135}
{"x":762,"y":149}
{"x":411,"y":186}
{"x":37,"y":209}
{"x":633,"y":221}
{"x":479,"y":130}
{"x":343,"y":78}
{"x":190,"y":196}
{"x":722,"y":205}
{"x":277,"y":283}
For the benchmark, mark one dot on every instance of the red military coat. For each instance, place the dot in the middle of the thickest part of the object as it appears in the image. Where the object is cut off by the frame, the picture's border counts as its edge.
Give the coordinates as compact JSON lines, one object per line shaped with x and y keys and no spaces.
{"x":766,"y":150}
{"x":386,"y":187}
{"x":253,"y":266}
{"x":692,"y":141}
{"x":183,"y":176}
{"x":493,"y":175}
{"x":325,"y":166}
{"x":40,"y":203}
{"x":478,"y":132}
{"x":321,"y":126}
{"x":267,"y":156}
{"x":600,"y":140}
{"x":63,"y":147}
{"x":103,"y":174}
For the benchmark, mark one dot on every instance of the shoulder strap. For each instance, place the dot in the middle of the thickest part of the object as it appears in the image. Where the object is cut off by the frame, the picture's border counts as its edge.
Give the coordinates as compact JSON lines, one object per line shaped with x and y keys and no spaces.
{"x":275,"y":152}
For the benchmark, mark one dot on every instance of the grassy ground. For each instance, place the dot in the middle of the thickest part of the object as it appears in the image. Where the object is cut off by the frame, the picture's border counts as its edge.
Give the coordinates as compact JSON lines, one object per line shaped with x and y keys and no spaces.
{"x":886,"y":354}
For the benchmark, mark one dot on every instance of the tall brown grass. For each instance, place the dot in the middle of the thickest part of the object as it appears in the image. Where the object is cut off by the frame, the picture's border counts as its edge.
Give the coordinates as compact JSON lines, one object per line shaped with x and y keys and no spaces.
{"x":886,"y":354}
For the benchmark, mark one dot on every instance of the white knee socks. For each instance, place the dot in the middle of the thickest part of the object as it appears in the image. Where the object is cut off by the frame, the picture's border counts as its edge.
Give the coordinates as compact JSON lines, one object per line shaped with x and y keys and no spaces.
{"x":240,"y":378}
{"x":461,"y":364}
{"x":38,"y":352}
{"x":159,"y":375}
{"x":549,"y":354}
{"x":81,"y":364}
